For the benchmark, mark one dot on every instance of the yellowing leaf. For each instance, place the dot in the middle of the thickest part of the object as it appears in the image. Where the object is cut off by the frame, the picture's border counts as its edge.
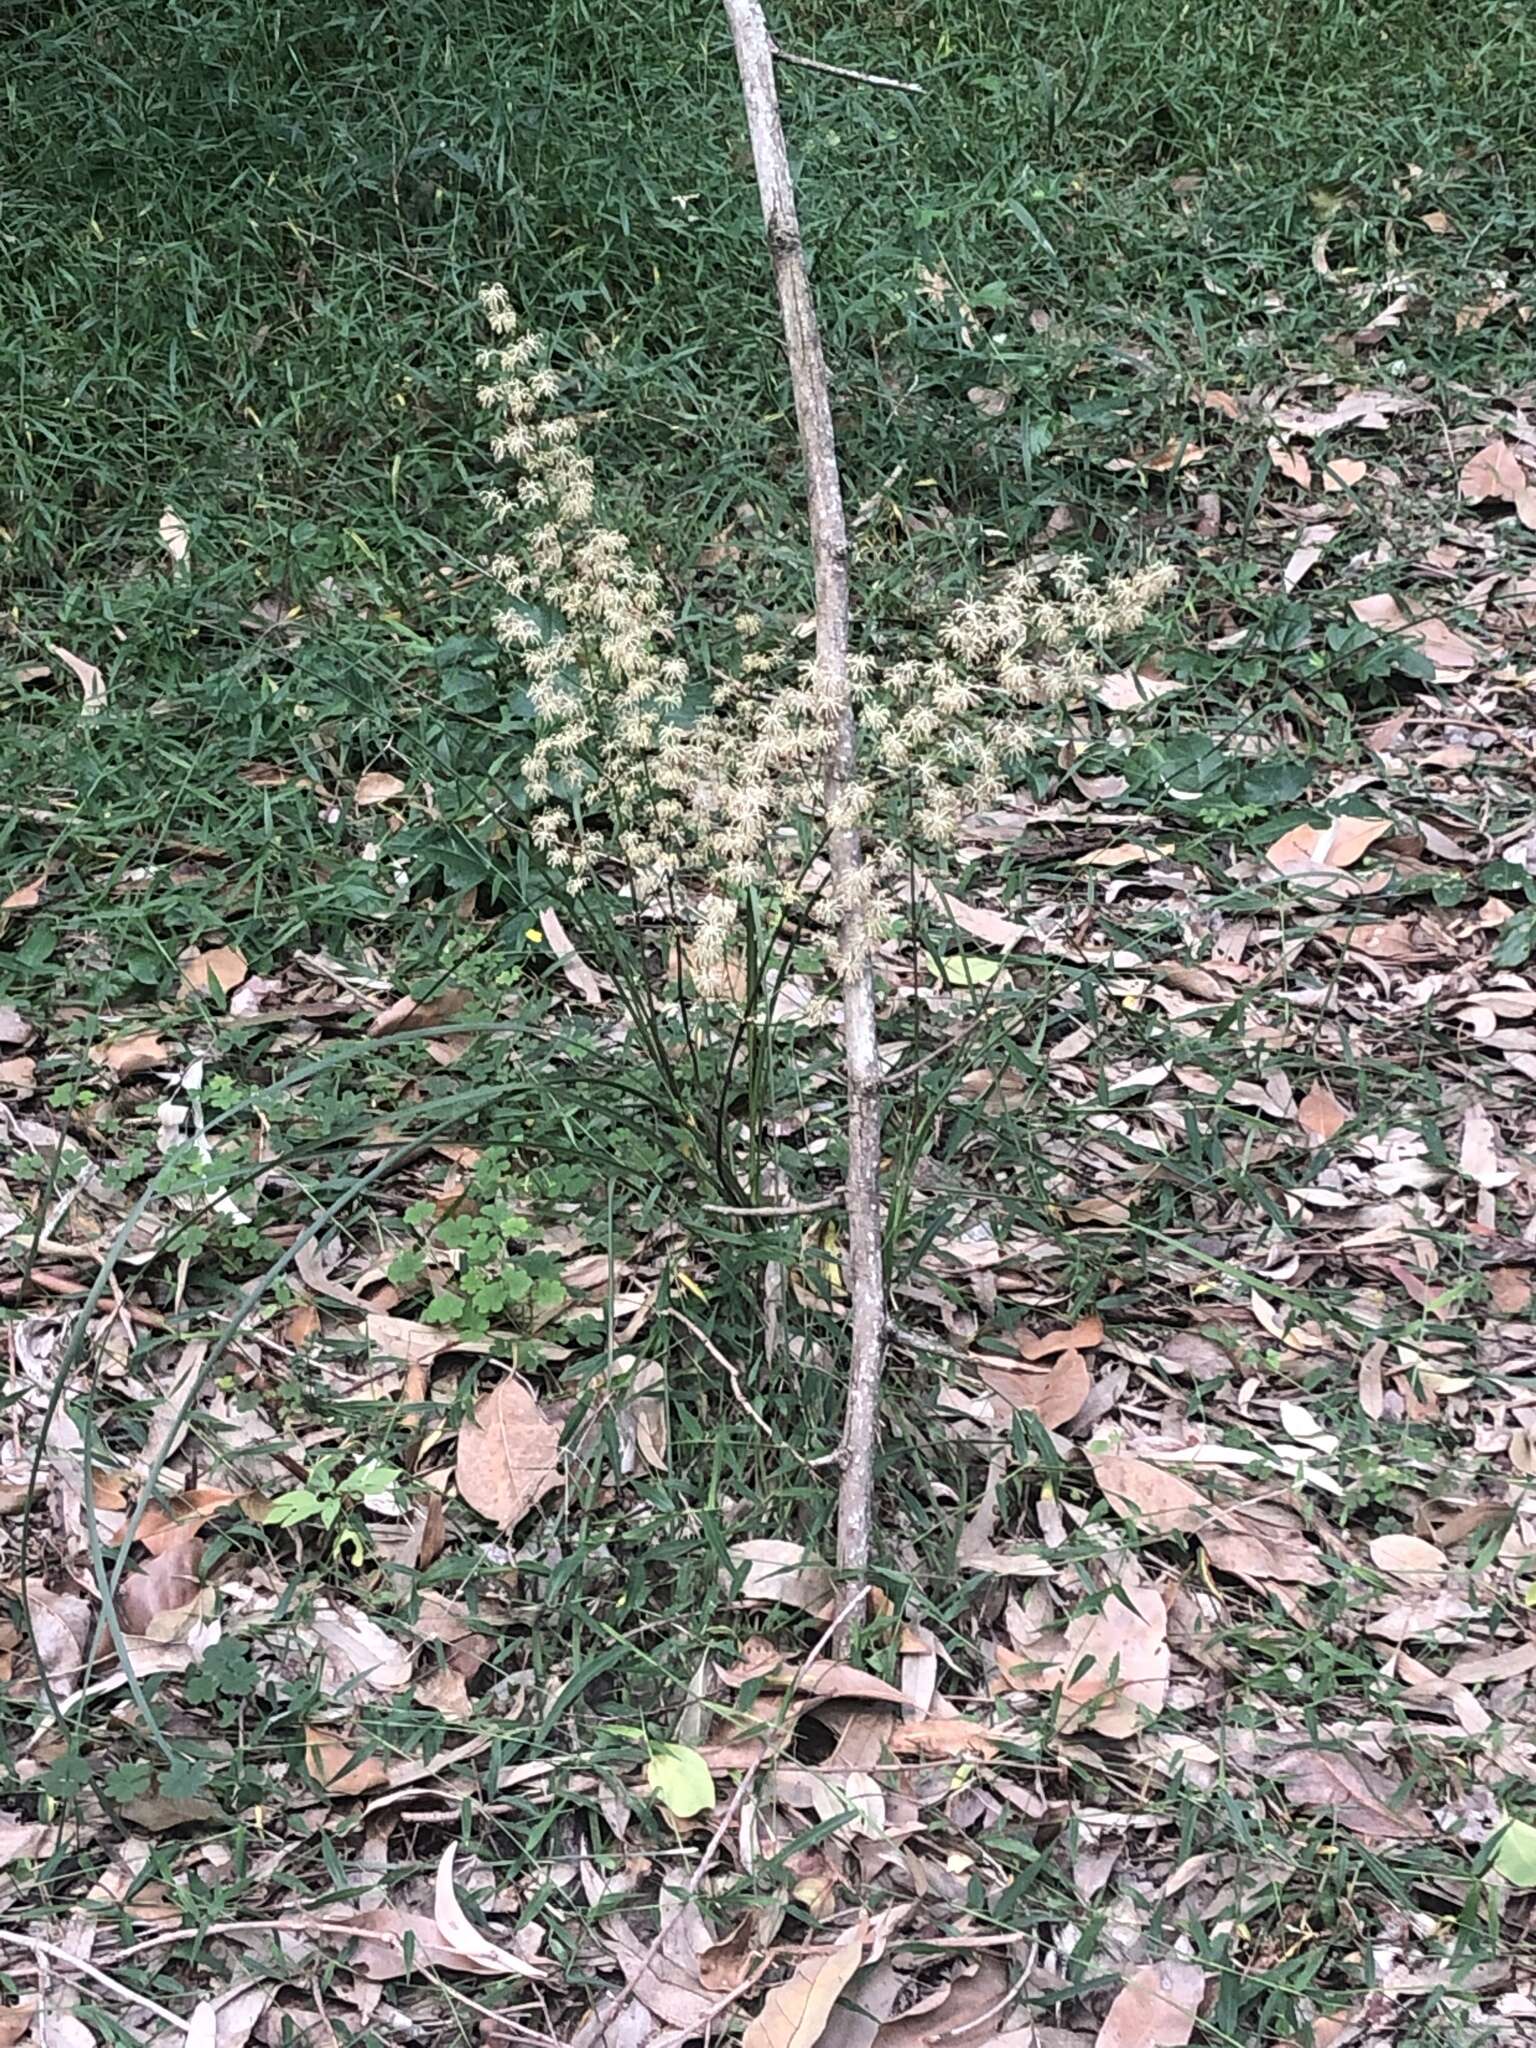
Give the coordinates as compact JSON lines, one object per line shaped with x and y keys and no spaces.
{"x":1514,"y":1856}
{"x":508,"y":1456}
{"x":964,"y":970}
{"x":680,"y":1779}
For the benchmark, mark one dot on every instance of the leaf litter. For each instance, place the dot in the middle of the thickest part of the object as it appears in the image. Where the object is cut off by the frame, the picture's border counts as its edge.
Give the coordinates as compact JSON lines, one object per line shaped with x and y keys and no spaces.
{"x":1210,"y":1452}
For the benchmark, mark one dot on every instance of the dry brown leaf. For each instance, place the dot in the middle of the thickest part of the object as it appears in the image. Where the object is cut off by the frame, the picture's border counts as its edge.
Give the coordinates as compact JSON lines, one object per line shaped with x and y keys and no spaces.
{"x":14,"y":1028}
{"x":407,"y":1014}
{"x":167,"y":1582}
{"x":473,"y":1949}
{"x":782,"y":1575}
{"x":1508,"y":1290}
{"x":822,"y":1678}
{"x":1360,"y":1795}
{"x":1321,"y":1113}
{"x":1132,"y":690}
{"x":381,"y":1933}
{"x":1156,"y":2008}
{"x":988,"y":400}
{"x":963,"y":2011}
{"x":223,"y":964}
{"x":1493,"y":472}
{"x":19,"y":1076}
{"x":377,"y":1941}
{"x":1055,"y":1395}
{"x":1264,"y":1545}
{"x":376,"y":788}
{"x":937,"y":1739}
{"x":1291,"y":463}
{"x":1484,"y":1667}
{"x":26,"y":1841}
{"x":1479,"y":1159}
{"x":412,"y":1343}
{"x":568,"y":960}
{"x":1337,"y":845}
{"x":168,"y":1523}
{"x":1083,"y":1336}
{"x":795,"y":2013}
{"x":990,"y":926}
{"x":15,"y":2023}
{"x":1434,"y":637}
{"x":508,"y":1455}
{"x":1110,"y":1668}
{"x":1299,"y":565}
{"x":1177,"y":453}
{"x":1343,"y":472}
{"x":726,"y":1964}
{"x":1149,"y":1496}
{"x":1407,"y":1556}
{"x":93,"y":684}
{"x":338,"y":1769}
{"x":1114,"y":1677}
{"x":359,"y":1655}
{"x":665,"y":1980}
{"x":126,"y":1057}
{"x":27,"y":896}
{"x":1437,"y":222}
{"x":445,"y":1692}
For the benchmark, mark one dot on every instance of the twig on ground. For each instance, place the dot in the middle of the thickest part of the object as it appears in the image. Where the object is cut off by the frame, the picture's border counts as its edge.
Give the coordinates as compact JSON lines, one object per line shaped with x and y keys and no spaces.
{"x":845,"y":71}
{"x":68,"y":1961}
{"x":845,"y":852}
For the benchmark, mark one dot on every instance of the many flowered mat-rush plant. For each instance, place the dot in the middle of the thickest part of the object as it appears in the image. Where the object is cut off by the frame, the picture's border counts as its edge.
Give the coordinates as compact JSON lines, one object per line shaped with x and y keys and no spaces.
{"x":700,"y":792}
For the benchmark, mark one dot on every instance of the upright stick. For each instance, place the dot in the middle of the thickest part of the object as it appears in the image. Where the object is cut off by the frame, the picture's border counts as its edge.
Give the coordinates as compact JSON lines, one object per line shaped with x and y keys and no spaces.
{"x":829,"y":556}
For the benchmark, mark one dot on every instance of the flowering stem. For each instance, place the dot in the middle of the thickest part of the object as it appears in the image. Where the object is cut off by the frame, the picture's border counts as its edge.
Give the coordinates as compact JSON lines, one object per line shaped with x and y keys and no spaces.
{"x":845,"y":852}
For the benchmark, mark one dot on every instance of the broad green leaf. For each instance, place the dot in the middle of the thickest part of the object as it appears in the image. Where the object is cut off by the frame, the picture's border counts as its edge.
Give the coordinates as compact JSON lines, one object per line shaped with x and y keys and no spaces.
{"x":1514,"y":1856}
{"x":965,"y":970}
{"x":680,"y":1779}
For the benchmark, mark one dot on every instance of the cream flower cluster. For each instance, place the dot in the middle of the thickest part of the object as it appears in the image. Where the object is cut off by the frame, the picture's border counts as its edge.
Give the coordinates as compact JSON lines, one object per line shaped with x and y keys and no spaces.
{"x":734,"y":796}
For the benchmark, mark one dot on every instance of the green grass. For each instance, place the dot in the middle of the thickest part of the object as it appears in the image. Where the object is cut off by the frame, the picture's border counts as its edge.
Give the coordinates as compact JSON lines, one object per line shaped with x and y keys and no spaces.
{"x":237,"y":252}
{"x":239,"y":246}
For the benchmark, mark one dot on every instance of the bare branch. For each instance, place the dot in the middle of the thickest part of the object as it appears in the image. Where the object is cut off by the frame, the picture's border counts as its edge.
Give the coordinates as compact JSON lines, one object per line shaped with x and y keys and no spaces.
{"x":845,"y":853}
